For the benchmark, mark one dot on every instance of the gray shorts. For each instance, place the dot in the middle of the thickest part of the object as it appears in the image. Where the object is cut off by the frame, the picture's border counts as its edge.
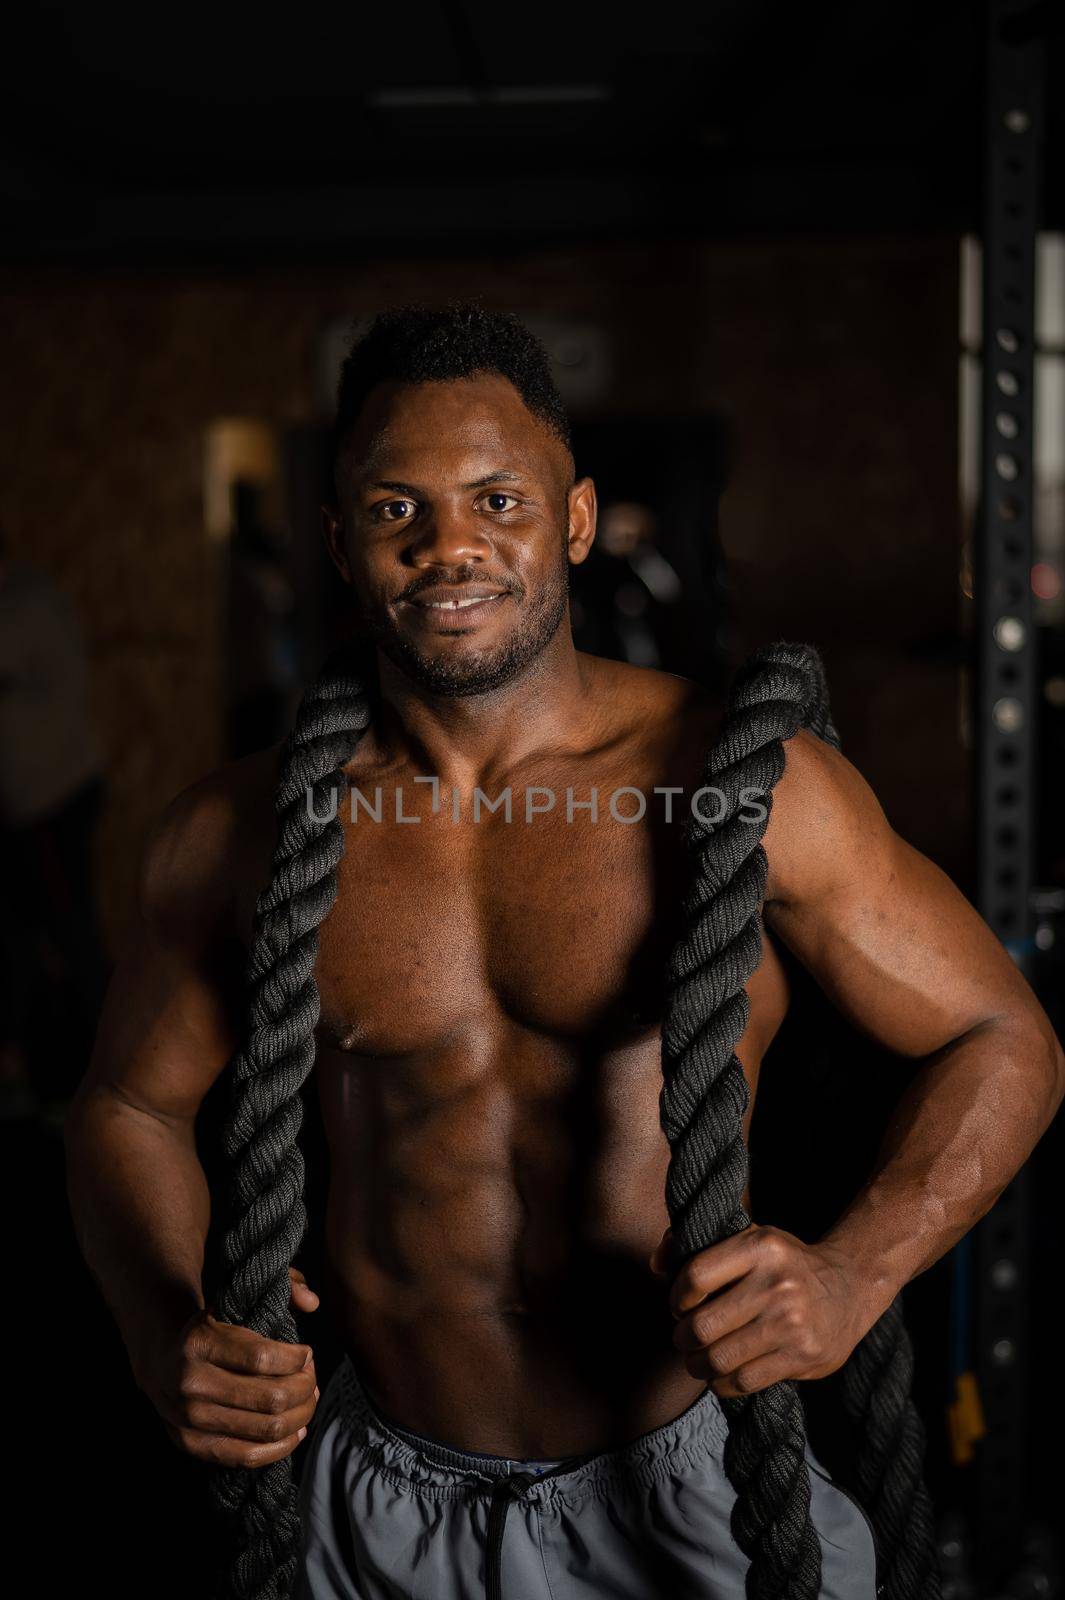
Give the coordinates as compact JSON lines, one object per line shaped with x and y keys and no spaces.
{"x":390,"y":1515}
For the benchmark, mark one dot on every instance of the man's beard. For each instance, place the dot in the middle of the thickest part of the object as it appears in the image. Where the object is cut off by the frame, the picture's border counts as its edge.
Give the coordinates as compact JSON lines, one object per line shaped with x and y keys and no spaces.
{"x":478,"y":670}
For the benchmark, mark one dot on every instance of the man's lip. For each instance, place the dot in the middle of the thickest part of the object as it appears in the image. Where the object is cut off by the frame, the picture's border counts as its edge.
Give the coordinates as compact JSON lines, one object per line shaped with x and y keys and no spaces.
{"x":449,"y":598}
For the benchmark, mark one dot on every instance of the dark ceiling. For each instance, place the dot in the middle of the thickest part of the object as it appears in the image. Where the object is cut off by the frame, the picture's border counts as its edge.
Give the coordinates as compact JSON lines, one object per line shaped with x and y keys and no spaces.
{"x":225,"y":134}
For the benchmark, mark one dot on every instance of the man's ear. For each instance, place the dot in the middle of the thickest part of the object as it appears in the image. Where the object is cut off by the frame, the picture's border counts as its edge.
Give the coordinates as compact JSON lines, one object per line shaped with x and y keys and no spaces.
{"x":333,"y":534}
{"x":582,"y":518}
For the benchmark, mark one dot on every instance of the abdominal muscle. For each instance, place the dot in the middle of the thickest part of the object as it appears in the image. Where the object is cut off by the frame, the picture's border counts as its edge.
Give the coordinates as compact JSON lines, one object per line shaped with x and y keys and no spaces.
{"x":488,"y":1230}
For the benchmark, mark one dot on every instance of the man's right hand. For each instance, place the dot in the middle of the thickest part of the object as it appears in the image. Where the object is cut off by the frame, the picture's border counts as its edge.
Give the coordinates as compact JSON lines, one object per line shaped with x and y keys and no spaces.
{"x":229,"y":1396}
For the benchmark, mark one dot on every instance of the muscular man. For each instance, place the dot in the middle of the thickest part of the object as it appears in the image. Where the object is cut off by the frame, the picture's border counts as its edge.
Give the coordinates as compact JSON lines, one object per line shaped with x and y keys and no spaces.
{"x":489,"y":1058}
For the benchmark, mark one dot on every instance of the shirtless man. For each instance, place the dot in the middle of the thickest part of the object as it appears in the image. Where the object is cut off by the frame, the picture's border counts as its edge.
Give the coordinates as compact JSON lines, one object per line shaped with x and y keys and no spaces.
{"x":489,"y":1057}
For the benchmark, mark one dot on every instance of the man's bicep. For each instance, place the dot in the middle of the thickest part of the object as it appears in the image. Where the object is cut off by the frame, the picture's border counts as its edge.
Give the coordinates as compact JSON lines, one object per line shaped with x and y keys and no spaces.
{"x":891,"y":940}
{"x":169,"y":1024}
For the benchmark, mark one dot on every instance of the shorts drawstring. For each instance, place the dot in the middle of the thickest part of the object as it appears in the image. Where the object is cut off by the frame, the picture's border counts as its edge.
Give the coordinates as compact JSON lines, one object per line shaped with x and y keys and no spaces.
{"x":504,"y":1493}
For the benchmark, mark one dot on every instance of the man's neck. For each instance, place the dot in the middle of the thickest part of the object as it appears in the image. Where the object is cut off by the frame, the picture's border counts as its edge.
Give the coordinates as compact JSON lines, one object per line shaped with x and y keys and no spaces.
{"x":467,"y":740}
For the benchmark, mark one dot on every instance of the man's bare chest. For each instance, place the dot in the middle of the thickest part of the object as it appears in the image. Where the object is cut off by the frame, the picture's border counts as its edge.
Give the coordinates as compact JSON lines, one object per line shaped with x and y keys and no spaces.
{"x":557,"y":924}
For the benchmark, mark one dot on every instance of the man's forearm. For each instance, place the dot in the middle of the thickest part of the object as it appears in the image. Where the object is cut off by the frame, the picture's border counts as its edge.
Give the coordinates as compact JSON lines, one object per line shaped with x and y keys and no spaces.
{"x":965,"y":1125}
{"x":141,"y":1209}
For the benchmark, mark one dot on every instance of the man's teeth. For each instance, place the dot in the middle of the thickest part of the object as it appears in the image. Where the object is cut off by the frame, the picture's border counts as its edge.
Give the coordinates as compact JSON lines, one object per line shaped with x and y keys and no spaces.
{"x":457,"y":605}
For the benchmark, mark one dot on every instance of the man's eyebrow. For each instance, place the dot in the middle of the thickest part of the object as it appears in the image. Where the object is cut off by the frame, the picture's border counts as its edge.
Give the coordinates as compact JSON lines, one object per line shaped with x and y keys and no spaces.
{"x":388,"y":483}
{"x":502,"y":476}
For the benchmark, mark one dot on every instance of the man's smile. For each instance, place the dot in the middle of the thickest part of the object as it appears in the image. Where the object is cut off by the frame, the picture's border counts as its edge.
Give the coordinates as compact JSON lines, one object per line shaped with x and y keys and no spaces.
{"x":442,"y":606}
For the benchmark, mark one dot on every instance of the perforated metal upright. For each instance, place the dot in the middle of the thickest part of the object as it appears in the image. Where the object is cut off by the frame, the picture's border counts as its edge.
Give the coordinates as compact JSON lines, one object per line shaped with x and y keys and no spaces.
{"x":1005,"y":714}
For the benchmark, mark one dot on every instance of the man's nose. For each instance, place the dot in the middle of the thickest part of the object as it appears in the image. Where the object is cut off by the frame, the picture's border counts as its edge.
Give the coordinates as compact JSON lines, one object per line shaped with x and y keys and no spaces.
{"x":448,"y":538}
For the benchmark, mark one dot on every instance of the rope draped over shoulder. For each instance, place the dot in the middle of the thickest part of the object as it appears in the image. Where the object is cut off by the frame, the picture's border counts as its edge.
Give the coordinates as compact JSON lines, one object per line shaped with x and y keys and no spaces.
{"x":704,"y":1097}
{"x":267,"y":1214}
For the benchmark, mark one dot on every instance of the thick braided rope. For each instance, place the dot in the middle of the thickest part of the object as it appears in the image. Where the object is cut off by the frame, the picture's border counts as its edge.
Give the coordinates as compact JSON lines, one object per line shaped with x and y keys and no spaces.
{"x":268,"y":1217}
{"x":704,"y":1097}
{"x":704,"y":1091}
{"x":889,"y":1478}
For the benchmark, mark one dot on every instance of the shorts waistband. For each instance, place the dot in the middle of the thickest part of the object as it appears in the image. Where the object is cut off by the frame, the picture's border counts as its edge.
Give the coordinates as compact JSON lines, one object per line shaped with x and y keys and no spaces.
{"x":435,"y":1468}
{"x":421,"y":1441}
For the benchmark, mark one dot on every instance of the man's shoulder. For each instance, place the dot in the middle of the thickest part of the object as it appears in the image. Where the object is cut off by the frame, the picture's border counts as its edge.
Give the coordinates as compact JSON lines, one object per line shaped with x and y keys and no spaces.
{"x":825,"y":819}
{"x":198,"y":847}
{"x":212,"y":807}
{"x":650,"y":703}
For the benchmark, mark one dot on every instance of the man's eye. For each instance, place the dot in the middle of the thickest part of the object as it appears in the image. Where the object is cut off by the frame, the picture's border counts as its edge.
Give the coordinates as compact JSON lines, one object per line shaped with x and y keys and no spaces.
{"x":497,"y":494}
{"x":386,"y":506}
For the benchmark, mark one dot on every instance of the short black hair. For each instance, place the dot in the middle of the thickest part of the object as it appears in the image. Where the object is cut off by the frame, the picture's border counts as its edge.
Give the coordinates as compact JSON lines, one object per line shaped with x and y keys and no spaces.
{"x":425,"y":344}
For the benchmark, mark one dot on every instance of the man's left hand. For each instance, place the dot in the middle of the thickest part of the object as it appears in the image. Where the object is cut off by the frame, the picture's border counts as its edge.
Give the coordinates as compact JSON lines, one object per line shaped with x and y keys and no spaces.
{"x":762,"y":1307}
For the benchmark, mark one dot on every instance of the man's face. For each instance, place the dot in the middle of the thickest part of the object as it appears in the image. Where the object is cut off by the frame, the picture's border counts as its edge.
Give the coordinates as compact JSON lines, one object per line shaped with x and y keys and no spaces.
{"x":456,"y":526}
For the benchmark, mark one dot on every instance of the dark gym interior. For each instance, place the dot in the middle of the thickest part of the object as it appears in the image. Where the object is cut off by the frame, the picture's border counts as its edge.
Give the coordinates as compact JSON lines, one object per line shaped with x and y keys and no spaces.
{"x":765,"y":247}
